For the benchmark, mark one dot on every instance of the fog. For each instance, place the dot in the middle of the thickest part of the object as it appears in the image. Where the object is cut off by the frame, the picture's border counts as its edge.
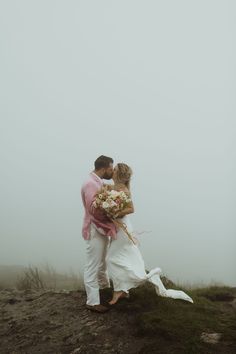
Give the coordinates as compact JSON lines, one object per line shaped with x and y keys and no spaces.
{"x":149,"y":83}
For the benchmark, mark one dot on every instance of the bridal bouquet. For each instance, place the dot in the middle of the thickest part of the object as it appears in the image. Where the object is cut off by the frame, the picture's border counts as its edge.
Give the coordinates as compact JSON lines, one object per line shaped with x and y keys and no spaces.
{"x":113,"y":202}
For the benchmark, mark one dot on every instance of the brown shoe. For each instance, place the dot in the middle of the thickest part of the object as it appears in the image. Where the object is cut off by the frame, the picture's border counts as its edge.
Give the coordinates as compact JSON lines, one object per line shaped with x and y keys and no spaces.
{"x":97,"y":308}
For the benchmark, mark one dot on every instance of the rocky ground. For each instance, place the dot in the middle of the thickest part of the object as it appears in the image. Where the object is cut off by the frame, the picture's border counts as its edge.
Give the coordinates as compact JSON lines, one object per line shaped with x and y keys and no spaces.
{"x":57,"y":322}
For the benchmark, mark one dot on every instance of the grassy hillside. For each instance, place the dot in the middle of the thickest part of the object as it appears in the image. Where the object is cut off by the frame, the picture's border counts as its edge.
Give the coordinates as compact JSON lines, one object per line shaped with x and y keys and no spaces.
{"x":175,"y":326}
{"x":39,"y":320}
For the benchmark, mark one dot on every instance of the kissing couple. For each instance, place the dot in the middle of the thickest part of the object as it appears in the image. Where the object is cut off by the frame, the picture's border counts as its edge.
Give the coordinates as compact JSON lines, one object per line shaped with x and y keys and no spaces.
{"x":110,"y":254}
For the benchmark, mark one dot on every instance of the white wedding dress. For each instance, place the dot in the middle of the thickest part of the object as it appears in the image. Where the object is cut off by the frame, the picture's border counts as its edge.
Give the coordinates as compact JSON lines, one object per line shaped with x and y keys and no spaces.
{"x":126,"y":267}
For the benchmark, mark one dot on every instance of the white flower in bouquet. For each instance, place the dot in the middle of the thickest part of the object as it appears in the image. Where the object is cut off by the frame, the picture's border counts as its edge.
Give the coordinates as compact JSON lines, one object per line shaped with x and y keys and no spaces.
{"x":105,"y":205}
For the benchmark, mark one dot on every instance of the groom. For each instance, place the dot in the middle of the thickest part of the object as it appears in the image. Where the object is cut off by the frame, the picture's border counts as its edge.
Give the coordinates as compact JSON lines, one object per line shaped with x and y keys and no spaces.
{"x":96,"y":231}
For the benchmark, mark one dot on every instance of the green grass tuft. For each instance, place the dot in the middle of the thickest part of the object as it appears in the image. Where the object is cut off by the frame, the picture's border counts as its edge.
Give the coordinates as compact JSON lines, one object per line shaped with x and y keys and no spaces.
{"x":175,"y":326}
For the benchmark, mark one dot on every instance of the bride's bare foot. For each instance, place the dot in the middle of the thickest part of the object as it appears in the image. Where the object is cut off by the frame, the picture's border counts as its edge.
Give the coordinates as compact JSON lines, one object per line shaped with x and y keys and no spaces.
{"x":116,"y":296}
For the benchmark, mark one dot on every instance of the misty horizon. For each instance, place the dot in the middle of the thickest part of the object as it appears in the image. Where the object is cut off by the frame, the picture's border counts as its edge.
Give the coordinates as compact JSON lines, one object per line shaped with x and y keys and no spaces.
{"x":151,"y":84}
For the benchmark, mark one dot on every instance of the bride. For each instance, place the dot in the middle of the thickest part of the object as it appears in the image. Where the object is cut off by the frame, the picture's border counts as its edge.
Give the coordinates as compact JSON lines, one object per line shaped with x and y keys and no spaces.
{"x":125,"y":264}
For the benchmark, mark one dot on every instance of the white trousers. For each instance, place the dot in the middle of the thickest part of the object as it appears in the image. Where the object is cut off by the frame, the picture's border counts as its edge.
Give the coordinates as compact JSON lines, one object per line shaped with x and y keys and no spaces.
{"x":95,"y":272}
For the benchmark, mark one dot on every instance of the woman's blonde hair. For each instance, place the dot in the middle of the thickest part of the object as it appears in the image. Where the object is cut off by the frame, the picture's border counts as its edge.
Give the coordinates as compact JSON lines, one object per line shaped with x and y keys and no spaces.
{"x":124,"y":174}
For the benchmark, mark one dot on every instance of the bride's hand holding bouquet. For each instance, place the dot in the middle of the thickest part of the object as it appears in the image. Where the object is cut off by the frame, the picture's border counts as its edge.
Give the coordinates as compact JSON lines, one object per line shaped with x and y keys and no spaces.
{"x":115,"y":204}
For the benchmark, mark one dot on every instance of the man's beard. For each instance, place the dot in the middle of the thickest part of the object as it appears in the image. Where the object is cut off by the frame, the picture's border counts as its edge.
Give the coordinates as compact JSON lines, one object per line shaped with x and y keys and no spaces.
{"x":107,"y":176}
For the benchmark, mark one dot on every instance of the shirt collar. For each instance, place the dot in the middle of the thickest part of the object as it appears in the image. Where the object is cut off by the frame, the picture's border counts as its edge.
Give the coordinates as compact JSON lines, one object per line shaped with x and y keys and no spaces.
{"x":96,"y":177}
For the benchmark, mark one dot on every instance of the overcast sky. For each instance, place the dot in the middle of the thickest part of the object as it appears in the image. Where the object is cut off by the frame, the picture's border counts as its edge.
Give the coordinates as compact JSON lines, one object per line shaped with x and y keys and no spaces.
{"x":149,"y":83}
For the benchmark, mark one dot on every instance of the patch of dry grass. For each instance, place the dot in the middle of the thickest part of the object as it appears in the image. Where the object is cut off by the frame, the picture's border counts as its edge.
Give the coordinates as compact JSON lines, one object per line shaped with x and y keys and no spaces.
{"x":33,"y":277}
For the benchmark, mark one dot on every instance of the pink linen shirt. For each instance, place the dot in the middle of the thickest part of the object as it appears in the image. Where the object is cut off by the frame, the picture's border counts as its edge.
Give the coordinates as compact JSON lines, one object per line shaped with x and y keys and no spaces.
{"x":88,"y":191}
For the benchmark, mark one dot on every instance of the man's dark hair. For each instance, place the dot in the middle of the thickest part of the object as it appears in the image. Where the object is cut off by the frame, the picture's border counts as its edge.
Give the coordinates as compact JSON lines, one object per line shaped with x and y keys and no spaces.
{"x":102,"y":162}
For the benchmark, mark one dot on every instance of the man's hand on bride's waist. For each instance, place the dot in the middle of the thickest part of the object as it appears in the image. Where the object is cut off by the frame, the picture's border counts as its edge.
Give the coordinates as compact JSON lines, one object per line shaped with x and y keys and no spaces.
{"x":100,"y":215}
